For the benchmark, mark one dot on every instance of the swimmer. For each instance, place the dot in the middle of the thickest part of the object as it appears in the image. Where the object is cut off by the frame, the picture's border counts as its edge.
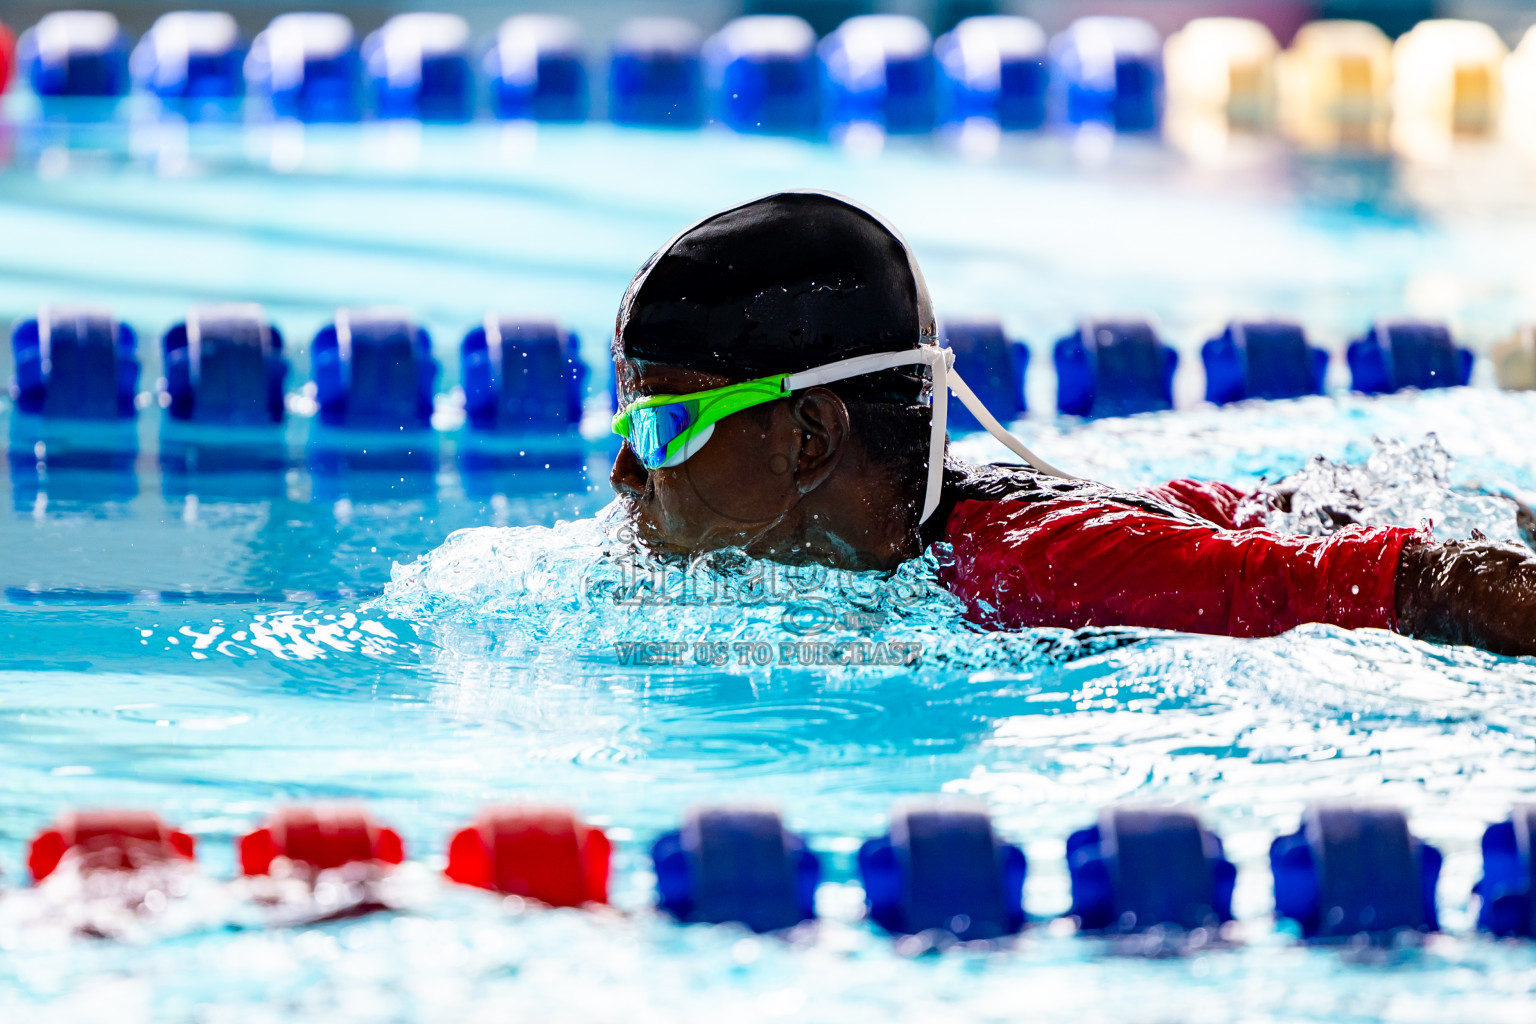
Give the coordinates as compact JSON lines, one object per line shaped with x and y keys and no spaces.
{"x":781,"y":392}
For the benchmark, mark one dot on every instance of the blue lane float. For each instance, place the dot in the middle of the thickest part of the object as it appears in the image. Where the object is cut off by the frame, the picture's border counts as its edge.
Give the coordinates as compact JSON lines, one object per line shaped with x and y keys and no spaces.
{"x":538,"y":70}
{"x":1107,"y":71}
{"x":373,"y":368}
{"x":1348,"y":874}
{"x":418,"y":66}
{"x":192,"y":56}
{"x":75,"y":54}
{"x":307,"y":66}
{"x":224,"y":364}
{"x":655,"y":74}
{"x":75,"y":363}
{"x":763,"y":76}
{"x":1262,"y":359}
{"x":1507,"y":890}
{"x":1355,"y":871}
{"x":993,"y":67}
{"x":522,"y":375}
{"x":1149,"y":867}
{"x":1113,"y":368}
{"x":735,"y":864}
{"x":941,"y":868}
{"x":49,"y":460}
{"x":1397,"y":354}
{"x":878,"y":69}
{"x":242,"y":470}
{"x":991,"y":364}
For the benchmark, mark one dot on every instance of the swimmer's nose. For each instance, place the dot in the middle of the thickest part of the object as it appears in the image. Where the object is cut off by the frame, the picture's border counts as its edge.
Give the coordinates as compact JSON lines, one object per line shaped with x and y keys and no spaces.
{"x":628,"y":476}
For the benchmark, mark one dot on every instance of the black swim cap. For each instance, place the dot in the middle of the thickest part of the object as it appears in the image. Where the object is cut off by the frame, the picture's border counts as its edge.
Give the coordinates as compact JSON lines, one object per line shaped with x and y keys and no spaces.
{"x":781,"y":284}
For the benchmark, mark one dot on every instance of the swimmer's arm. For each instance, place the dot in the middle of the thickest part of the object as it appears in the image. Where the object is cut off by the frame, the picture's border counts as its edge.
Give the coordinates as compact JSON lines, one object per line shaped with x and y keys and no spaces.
{"x":1465,"y":593}
{"x":1212,"y":501}
{"x":1076,"y":562}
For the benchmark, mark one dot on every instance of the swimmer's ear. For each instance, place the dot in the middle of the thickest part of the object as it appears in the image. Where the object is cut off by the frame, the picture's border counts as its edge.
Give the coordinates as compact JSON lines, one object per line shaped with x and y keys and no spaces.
{"x":824,"y":434}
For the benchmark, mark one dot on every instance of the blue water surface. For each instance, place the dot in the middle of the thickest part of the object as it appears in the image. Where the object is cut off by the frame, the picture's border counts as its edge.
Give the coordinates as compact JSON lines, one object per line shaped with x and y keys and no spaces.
{"x":209,"y":625}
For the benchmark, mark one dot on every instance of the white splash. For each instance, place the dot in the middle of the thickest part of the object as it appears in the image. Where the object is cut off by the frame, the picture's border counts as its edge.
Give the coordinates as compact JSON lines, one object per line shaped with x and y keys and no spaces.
{"x":1399,"y":484}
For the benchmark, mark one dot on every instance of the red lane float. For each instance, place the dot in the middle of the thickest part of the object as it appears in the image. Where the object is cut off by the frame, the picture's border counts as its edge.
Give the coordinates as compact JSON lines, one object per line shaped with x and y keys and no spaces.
{"x":320,"y":838}
{"x":108,"y":841}
{"x":542,"y":853}
{"x":7,"y":56}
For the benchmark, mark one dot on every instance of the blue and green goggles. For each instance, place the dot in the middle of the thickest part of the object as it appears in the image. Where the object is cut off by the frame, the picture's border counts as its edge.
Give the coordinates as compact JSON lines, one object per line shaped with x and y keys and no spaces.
{"x":666,"y":430}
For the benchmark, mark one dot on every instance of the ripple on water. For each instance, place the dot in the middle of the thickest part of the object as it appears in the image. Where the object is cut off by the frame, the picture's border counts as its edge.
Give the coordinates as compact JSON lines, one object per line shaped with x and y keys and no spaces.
{"x":501,"y":677}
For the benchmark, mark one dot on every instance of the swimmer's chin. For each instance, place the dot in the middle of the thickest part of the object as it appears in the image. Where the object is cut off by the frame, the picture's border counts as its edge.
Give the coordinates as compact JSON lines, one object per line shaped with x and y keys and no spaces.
{"x":644,"y":533}
{"x":628,"y":520}
{"x":634,"y":523}
{"x":637,"y":527}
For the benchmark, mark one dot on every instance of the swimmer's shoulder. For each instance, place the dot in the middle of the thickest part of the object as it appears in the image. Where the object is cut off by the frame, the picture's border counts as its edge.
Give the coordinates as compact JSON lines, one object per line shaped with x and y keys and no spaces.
{"x":1011,"y":482}
{"x":1004,"y":481}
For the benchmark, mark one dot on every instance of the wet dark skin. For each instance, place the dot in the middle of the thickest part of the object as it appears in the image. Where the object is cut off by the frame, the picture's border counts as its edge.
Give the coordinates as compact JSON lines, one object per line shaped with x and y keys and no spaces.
{"x":787,"y":481}
{"x":790,"y":481}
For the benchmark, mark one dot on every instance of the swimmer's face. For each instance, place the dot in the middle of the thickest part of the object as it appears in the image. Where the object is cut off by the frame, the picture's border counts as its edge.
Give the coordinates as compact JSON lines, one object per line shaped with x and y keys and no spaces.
{"x":736,"y":491}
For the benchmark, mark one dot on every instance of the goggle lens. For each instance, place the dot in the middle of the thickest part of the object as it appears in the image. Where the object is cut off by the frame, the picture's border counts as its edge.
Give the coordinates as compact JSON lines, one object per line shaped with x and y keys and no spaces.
{"x":653,"y":428}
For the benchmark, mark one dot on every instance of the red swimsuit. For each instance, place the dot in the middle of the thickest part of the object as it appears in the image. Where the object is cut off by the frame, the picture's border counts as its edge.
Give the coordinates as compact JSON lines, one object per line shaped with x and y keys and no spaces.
{"x":1075,"y":561}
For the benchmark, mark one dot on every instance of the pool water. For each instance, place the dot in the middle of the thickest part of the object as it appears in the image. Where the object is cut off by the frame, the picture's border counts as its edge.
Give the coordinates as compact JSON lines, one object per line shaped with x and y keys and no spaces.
{"x":211,"y":624}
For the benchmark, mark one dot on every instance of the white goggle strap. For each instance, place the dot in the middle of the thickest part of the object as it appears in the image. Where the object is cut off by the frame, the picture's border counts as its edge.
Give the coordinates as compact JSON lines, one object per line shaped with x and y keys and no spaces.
{"x":858,"y":366}
{"x":938,"y":434}
{"x":997,"y":430}
{"x":941,"y":360}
